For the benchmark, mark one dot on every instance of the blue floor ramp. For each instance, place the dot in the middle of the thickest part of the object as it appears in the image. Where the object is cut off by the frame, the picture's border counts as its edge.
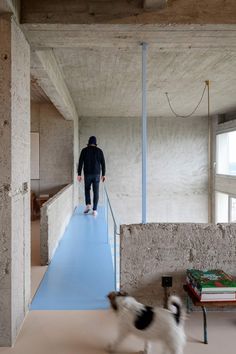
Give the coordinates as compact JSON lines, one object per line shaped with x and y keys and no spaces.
{"x":81,"y":272}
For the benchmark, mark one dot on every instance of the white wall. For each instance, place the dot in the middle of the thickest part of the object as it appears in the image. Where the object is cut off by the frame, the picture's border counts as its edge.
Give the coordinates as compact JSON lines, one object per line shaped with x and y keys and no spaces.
{"x":177,"y":166}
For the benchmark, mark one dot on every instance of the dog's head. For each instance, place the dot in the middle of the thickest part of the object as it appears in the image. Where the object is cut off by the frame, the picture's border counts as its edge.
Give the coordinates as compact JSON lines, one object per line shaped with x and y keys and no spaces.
{"x":112,"y":296}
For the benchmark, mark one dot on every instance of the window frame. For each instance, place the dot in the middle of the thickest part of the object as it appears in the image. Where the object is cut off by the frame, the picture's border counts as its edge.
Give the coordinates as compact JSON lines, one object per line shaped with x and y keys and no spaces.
{"x":222,"y":183}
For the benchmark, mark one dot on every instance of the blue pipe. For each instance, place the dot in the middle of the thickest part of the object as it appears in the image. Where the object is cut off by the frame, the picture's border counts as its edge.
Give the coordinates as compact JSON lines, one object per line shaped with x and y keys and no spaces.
{"x":144,"y":132}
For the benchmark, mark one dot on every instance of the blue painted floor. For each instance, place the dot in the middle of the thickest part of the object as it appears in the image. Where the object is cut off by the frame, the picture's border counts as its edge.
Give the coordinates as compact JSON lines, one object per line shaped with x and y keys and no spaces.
{"x":81,"y":272}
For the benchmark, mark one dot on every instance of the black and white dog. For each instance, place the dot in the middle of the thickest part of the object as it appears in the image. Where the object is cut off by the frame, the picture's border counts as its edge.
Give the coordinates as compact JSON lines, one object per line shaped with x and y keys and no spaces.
{"x":150,"y":323}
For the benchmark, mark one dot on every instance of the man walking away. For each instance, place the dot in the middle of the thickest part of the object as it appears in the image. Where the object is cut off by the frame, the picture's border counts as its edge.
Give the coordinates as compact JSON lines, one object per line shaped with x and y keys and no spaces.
{"x":92,"y":161}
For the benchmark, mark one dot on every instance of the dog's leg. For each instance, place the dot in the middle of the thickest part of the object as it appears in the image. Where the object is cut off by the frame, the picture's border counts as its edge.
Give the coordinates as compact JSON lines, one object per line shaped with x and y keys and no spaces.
{"x":147,"y":347}
{"x":121,"y":336}
{"x":170,"y":349}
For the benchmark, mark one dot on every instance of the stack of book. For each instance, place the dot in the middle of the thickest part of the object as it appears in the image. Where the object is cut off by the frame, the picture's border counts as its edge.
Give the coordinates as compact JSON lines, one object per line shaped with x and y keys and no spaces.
{"x":211,"y":285}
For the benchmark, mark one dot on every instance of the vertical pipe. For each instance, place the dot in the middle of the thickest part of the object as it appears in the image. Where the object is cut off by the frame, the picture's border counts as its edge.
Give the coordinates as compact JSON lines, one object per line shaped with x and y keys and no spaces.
{"x":144,"y":132}
{"x":210,"y":174}
{"x":115,"y":232}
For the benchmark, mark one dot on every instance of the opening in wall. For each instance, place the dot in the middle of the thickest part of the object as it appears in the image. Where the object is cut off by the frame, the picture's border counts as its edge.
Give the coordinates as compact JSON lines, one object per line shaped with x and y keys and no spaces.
{"x":225,"y":208}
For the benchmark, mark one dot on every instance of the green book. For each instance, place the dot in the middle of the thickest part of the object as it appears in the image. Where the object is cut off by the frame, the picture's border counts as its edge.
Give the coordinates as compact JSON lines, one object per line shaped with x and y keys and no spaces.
{"x":212,"y":280}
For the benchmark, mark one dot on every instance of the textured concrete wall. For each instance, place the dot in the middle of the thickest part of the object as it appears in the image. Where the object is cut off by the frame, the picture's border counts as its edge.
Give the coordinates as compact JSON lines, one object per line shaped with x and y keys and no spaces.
{"x":56,"y":148}
{"x":177,"y":166}
{"x":14,"y":179}
{"x":5,"y":182}
{"x":152,"y":250}
{"x":76,"y":158}
{"x":55,"y":215}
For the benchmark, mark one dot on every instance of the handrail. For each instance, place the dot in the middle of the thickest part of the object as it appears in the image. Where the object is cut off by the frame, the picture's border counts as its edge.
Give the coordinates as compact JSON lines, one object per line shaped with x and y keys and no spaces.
{"x":109,"y":203}
{"x":114,"y":234}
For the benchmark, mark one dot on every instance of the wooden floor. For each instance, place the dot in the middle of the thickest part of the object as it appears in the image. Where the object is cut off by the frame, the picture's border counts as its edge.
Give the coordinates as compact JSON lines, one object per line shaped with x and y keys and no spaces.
{"x":89,"y":332}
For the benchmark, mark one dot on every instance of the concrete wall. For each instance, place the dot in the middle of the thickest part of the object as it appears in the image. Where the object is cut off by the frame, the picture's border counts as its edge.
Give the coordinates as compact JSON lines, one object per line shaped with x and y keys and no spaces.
{"x":56,"y":148}
{"x":76,"y":158}
{"x":14,"y":179}
{"x":55,"y":215}
{"x":171,"y":249}
{"x":177,"y":166}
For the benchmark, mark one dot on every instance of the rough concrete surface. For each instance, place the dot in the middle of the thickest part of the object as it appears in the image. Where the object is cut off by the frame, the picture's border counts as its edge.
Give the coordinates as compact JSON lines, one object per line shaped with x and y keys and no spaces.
{"x":5,"y":181}
{"x":153,"y":250}
{"x":177,"y":166}
{"x":125,"y":11}
{"x":53,"y":83}
{"x":11,"y":6}
{"x":56,"y":148}
{"x":20,"y":149}
{"x":15,"y":167}
{"x":75,"y":160}
{"x":55,"y":215}
{"x":105,"y":79}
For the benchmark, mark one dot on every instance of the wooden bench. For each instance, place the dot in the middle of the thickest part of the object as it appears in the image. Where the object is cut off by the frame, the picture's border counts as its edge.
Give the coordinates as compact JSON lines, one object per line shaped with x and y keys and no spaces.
{"x":203,"y":305}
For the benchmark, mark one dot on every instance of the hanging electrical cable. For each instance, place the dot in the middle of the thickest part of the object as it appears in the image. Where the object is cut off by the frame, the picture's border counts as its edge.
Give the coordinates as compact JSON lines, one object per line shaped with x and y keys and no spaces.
{"x":188,"y":115}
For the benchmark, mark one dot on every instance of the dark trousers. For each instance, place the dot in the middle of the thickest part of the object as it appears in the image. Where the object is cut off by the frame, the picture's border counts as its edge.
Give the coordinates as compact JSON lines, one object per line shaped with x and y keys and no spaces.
{"x":94,"y":181}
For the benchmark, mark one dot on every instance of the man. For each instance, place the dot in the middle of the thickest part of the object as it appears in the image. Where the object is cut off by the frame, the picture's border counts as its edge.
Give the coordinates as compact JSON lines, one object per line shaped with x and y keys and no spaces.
{"x":91,"y":160}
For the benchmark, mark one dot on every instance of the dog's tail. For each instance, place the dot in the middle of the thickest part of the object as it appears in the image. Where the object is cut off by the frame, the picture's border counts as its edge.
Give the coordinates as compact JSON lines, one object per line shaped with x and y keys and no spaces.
{"x":176,"y":307}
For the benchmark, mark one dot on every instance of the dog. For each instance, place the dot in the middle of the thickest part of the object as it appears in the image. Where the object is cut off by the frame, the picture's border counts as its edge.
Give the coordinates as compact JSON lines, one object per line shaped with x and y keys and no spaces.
{"x":150,"y":323}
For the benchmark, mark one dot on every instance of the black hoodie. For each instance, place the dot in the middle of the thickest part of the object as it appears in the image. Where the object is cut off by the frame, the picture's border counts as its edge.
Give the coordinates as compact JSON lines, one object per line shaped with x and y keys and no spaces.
{"x":92,"y":159}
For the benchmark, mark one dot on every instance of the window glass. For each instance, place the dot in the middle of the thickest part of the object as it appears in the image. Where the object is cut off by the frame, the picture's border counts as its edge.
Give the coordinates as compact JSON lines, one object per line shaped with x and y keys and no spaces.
{"x":233,"y":210}
{"x":226,"y":153}
{"x":222,"y":207}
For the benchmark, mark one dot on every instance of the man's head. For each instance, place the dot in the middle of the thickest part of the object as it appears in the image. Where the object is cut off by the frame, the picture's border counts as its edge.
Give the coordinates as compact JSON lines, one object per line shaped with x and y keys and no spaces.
{"x":92,"y":140}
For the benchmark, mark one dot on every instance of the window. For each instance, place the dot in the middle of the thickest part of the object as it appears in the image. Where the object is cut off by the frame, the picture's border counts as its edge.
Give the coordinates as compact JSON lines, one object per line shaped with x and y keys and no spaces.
{"x":226,"y":153}
{"x":222,"y":207}
{"x":225,"y":208}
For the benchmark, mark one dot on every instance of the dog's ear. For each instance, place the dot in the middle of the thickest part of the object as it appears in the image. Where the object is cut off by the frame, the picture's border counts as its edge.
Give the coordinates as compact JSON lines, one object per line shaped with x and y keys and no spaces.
{"x":122,"y":293}
{"x":111,"y":296}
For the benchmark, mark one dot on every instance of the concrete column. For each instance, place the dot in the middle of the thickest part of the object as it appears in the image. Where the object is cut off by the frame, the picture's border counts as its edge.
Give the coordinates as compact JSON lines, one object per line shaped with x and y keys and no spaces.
{"x":14,"y":179}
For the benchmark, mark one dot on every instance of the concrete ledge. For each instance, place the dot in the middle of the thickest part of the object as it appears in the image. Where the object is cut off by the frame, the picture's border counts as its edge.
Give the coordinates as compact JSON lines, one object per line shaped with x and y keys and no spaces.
{"x":126,"y":11}
{"x":55,"y":216}
{"x":152,"y":250}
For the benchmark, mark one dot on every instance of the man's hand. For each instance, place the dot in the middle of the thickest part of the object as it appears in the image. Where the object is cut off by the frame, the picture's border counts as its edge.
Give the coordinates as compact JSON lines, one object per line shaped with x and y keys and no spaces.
{"x":79,"y":178}
{"x":103,"y":178}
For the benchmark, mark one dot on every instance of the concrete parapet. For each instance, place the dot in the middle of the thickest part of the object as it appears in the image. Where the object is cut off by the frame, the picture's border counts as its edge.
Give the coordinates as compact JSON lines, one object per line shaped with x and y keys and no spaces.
{"x":152,"y":250}
{"x":55,"y":216}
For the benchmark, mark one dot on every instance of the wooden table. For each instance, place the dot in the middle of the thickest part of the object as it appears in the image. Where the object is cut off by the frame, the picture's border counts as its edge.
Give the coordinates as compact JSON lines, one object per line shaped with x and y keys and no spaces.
{"x":203,"y":305}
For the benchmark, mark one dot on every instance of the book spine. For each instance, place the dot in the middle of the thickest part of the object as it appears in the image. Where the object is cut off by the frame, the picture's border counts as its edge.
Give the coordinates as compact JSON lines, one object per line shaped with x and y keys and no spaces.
{"x":193,"y":282}
{"x":212,"y":297}
{"x":203,"y":289}
{"x":225,"y":284}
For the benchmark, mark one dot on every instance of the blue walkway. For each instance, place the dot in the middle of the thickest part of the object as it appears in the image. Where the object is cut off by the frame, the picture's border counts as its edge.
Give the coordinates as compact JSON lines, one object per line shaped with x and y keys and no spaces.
{"x":81,"y":272}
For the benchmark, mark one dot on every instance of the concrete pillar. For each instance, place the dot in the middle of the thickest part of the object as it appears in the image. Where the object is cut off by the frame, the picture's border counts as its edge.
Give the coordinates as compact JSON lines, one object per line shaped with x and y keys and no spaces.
{"x":14,"y":179}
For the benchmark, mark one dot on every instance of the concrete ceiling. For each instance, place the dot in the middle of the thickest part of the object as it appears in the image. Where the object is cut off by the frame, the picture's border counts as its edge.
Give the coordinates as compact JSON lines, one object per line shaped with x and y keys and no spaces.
{"x":101,"y":65}
{"x":37,"y":95}
{"x":106,"y":82}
